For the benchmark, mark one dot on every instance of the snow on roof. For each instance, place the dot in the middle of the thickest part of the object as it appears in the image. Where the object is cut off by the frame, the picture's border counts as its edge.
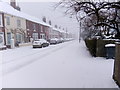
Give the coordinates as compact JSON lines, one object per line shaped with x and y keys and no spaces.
{"x":62,"y":31}
{"x":6,"y":8}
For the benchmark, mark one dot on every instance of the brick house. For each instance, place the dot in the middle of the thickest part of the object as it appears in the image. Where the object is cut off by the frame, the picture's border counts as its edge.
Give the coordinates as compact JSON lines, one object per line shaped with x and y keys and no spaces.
{"x":33,"y":30}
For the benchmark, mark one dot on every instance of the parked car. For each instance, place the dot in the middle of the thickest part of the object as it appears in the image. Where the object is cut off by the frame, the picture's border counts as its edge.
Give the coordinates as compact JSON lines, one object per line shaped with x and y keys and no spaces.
{"x":61,"y":40}
{"x":39,"y":43}
{"x":54,"y":41}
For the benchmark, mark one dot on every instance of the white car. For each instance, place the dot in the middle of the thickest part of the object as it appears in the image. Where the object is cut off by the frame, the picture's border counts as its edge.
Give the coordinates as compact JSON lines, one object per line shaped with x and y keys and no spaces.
{"x":39,"y":43}
{"x":54,"y":41}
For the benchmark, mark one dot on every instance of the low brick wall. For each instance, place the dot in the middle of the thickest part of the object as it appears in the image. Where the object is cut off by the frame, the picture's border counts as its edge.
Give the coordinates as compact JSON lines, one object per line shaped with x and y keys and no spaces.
{"x":116,"y":74}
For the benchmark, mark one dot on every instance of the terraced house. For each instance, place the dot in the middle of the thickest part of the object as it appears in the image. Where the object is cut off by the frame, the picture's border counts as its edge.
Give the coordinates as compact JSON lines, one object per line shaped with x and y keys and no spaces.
{"x":15,"y":28}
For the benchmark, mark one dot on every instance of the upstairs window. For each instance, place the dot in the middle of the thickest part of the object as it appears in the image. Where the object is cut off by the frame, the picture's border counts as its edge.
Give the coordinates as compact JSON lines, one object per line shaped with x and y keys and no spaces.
{"x":41,"y":28}
{"x":8,"y":20}
{"x":34,"y":27}
{"x":18,"y":23}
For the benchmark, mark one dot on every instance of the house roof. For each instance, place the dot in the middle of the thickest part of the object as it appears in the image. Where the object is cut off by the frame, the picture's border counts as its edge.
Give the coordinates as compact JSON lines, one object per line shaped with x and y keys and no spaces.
{"x":62,"y":31}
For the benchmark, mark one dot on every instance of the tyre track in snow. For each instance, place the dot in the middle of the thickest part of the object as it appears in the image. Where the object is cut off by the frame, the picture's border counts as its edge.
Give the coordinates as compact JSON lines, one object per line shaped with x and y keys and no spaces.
{"x":15,"y":65}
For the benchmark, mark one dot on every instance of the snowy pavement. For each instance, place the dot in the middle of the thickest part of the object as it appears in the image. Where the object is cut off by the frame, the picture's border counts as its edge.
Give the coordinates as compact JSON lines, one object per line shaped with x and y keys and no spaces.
{"x":66,"y":65}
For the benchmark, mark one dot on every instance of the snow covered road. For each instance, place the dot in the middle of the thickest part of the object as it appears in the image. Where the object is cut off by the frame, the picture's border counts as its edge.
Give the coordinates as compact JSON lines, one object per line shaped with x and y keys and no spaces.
{"x":66,"y":65}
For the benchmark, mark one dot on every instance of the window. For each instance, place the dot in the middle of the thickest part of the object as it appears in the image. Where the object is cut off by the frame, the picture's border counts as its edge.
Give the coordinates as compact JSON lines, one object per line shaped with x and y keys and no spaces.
{"x":8,"y":20}
{"x":18,"y":23}
{"x":34,"y":26}
{"x":42,"y":36}
{"x":41,"y":28}
{"x":35,"y":36}
{"x":19,"y":37}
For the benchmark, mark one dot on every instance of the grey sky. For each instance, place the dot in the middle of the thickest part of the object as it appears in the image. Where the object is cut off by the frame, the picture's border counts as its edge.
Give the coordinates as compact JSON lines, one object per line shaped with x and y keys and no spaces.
{"x":47,"y":9}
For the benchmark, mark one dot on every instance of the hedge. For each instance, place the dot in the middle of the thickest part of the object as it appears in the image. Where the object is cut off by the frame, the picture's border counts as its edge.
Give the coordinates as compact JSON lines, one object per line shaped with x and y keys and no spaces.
{"x":97,"y":46}
{"x":91,"y":45}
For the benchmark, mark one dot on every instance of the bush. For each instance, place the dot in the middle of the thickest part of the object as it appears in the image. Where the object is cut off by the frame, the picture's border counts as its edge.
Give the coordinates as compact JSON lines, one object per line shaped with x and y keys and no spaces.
{"x":91,"y":45}
{"x":97,"y":46}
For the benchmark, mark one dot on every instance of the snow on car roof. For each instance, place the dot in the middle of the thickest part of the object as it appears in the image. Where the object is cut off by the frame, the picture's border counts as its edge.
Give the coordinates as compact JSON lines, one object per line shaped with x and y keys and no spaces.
{"x":6,"y":8}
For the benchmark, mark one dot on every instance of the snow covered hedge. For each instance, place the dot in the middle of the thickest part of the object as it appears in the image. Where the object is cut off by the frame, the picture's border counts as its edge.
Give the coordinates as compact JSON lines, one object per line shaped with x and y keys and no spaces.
{"x":97,"y":46}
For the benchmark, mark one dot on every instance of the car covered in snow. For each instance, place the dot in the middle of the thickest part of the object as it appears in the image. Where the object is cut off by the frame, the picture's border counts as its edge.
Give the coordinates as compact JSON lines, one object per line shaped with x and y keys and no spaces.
{"x":39,"y":43}
{"x":54,"y":41}
{"x":61,"y":40}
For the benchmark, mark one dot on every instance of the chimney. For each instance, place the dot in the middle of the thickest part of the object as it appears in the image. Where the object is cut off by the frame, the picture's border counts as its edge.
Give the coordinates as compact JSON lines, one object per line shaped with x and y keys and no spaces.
{"x":13,"y":3}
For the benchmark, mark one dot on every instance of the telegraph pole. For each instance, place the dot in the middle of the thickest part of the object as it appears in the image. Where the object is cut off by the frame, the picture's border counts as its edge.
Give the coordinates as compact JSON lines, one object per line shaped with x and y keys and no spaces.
{"x":79,"y":30}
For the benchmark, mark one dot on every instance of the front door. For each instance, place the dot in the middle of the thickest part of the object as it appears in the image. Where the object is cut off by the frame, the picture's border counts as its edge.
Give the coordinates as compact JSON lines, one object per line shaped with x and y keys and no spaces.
{"x":9,"y":37}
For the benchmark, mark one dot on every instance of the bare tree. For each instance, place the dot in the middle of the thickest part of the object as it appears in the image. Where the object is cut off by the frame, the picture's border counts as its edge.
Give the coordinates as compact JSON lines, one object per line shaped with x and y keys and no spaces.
{"x":97,"y":9}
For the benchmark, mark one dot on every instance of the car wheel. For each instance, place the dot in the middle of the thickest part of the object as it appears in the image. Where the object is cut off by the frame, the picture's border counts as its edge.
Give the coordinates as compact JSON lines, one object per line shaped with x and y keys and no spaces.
{"x":42,"y":46}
